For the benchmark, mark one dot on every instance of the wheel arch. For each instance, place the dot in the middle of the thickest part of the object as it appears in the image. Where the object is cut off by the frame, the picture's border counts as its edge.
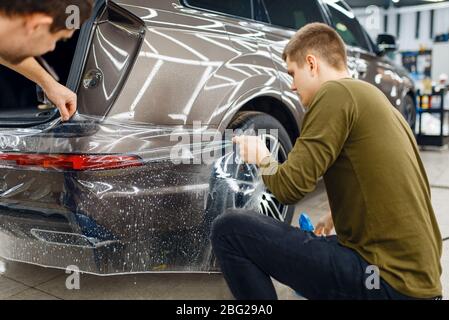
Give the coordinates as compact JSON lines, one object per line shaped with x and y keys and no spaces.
{"x":275,"y":108}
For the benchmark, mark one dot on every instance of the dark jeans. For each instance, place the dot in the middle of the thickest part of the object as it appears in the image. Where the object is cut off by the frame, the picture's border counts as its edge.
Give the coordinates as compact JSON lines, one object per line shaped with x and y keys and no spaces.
{"x":251,"y":248}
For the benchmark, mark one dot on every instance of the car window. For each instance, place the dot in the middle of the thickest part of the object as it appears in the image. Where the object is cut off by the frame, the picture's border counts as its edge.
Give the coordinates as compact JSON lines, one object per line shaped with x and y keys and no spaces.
{"x":292,"y":14}
{"x":260,"y":11}
{"x":346,"y":24}
{"x":240,"y":8}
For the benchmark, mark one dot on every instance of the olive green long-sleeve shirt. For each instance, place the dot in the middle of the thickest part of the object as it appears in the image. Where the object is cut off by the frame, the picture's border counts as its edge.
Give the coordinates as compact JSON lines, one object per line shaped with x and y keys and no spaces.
{"x":376,"y":183}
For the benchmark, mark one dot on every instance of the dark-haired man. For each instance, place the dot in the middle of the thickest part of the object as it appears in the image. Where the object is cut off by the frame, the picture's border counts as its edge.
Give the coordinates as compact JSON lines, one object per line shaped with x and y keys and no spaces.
{"x":388,"y":244}
{"x":30,"y":28}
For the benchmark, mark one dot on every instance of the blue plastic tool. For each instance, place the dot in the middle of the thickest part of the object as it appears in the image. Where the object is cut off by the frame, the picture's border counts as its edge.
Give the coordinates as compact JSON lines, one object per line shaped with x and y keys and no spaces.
{"x":305,"y":223}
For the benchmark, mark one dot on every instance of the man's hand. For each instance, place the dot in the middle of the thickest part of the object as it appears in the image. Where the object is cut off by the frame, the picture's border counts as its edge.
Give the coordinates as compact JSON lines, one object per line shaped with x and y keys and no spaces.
{"x":325,"y":225}
{"x":252,"y":149}
{"x":63,"y":98}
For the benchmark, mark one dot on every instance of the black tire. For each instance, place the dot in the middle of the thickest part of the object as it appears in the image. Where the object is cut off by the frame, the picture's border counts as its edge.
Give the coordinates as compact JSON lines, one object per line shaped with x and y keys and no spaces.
{"x":408,"y":110}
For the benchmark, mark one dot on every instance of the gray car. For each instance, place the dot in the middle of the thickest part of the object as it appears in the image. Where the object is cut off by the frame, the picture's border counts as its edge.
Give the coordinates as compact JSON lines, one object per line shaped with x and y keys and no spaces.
{"x":102,"y":191}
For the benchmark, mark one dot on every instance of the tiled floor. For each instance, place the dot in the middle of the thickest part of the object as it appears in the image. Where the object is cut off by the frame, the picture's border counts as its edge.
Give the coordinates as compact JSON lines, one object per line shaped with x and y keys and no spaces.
{"x":22,"y":281}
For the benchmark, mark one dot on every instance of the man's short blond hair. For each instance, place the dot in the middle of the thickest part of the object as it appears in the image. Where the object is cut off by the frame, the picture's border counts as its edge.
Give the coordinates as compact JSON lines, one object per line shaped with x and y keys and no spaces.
{"x":318,"y":39}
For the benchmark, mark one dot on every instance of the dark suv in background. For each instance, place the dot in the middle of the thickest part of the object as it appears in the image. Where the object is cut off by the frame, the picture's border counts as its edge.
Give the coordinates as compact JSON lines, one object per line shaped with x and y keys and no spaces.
{"x":99,"y":192}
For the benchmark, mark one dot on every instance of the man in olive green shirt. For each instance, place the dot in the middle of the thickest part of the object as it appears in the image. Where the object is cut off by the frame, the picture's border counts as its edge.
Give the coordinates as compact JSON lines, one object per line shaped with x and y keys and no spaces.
{"x":376,"y":184}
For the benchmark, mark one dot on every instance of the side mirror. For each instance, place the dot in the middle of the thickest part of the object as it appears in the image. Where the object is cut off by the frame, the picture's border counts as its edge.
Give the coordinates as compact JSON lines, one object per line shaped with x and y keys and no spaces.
{"x":386,"y":43}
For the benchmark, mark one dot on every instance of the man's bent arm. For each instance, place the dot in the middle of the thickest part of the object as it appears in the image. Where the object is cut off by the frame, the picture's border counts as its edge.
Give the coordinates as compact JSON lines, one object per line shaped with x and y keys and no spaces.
{"x":32,"y":70}
{"x":63,"y":98}
{"x":326,"y":127}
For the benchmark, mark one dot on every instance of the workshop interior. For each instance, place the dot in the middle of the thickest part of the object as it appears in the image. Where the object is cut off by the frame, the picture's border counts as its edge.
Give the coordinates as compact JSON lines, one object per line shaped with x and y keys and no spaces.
{"x":125,"y":194}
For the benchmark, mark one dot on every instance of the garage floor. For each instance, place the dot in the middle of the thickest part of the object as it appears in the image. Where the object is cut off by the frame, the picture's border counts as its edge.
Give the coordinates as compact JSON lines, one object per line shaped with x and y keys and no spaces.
{"x":21,"y":281}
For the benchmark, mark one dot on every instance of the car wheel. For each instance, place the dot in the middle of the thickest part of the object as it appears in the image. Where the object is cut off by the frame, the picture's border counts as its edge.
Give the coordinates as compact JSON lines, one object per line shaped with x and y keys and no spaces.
{"x":243,"y":189}
{"x":408,"y":110}
{"x":254,"y":121}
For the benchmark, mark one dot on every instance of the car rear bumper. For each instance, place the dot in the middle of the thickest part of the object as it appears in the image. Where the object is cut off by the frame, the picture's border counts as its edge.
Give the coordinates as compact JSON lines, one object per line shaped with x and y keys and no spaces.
{"x":143,"y":219}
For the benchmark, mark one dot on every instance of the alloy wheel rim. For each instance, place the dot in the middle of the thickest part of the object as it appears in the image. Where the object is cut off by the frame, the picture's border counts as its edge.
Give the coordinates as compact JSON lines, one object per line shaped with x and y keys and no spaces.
{"x":250,"y":186}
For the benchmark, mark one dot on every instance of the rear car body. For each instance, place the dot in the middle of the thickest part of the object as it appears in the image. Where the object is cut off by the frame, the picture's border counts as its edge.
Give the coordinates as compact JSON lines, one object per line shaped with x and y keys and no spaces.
{"x":102,"y":192}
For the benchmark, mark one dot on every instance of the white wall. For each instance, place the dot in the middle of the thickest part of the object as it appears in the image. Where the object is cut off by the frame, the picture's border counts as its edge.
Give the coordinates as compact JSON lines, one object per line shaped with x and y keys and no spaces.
{"x":442,"y":20}
{"x":373,"y":20}
{"x":440,"y":60}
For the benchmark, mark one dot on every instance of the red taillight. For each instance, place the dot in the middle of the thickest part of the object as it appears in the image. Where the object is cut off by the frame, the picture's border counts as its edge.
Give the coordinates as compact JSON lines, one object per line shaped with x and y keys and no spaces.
{"x":71,"y":162}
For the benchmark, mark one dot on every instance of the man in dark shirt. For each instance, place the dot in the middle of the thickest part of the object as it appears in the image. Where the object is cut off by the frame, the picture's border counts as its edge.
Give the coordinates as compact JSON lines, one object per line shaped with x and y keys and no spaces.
{"x":30,"y":28}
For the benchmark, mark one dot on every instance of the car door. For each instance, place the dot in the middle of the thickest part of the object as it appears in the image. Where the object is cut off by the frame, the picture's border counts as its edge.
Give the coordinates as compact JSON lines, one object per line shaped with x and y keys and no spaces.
{"x":347,"y":26}
{"x":279,"y":20}
{"x":363,"y":62}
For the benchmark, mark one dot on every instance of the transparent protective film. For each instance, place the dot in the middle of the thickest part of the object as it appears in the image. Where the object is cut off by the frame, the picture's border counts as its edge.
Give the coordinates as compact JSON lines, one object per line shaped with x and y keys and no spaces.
{"x":111,"y":197}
